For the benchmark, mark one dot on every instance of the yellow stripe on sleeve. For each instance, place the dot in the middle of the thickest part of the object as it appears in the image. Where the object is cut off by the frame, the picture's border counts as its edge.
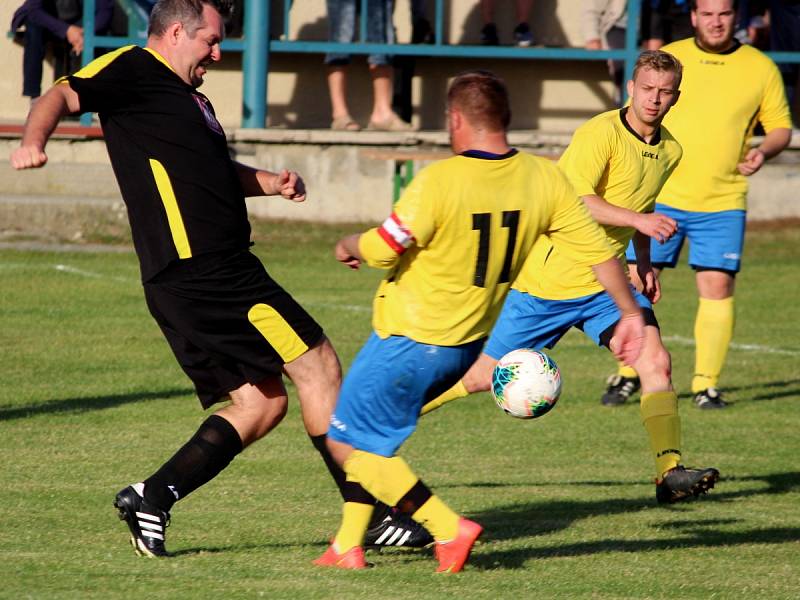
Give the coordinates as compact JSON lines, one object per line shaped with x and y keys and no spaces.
{"x":176,"y":226}
{"x":100,"y":63}
{"x":277,"y":332}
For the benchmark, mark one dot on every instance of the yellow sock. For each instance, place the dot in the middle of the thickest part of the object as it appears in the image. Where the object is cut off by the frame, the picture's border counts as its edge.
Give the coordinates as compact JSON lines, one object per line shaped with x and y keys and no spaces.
{"x":659,"y":411}
{"x":457,"y":391}
{"x":389,"y":479}
{"x":355,"y":519}
{"x":713,"y":330}
{"x":626,"y":371}
{"x":438,"y":518}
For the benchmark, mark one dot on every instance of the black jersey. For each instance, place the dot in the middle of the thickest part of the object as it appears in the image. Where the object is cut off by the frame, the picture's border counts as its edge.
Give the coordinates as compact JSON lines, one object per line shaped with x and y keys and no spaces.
{"x":169,"y":155}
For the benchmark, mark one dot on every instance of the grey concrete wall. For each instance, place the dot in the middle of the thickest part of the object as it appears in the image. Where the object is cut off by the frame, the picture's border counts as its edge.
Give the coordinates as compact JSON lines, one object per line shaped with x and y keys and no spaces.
{"x":349,"y":176}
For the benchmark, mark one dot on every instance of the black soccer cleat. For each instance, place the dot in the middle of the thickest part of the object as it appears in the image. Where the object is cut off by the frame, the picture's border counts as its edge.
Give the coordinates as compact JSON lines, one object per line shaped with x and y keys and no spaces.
{"x":394,"y":530}
{"x":681,"y":483}
{"x":620,"y":389}
{"x":709,"y":398}
{"x":147,"y":523}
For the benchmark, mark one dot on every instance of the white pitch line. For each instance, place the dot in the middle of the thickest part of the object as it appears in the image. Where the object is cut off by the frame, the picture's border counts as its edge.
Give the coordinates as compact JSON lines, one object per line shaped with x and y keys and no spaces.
{"x":83,"y":273}
{"x":677,"y":339}
{"x":746,"y":347}
{"x":350,"y":307}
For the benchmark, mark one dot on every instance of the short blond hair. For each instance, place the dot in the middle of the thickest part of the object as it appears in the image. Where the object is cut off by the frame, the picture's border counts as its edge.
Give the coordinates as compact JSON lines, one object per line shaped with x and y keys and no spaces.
{"x":482,"y":97}
{"x":658,"y":60}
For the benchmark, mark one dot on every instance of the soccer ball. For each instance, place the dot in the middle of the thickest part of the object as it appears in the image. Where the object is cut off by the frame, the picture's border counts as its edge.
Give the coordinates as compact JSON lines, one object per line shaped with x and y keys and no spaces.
{"x":526,"y":383}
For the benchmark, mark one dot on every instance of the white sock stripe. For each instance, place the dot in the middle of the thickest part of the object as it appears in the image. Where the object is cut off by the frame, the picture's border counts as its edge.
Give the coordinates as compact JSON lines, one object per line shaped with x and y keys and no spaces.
{"x":153,"y":534}
{"x":148,"y":517}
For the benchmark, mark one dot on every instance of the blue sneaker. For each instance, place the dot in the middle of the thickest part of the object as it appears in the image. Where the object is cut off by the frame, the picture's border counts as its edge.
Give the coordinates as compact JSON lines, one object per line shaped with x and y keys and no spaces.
{"x":523,"y":36}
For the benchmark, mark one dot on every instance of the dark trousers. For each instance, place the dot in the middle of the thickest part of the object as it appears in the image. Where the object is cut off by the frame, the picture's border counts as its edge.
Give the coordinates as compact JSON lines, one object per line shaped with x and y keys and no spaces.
{"x":36,"y":41}
{"x":785,"y":37}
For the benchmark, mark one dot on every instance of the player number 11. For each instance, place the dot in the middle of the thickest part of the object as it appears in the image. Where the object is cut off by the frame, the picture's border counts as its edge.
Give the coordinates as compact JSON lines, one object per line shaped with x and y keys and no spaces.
{"x":482,"y":222}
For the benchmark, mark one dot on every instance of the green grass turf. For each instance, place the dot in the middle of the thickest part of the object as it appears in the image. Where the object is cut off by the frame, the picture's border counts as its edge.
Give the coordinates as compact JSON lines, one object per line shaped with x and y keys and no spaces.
{"x":91,"y":400}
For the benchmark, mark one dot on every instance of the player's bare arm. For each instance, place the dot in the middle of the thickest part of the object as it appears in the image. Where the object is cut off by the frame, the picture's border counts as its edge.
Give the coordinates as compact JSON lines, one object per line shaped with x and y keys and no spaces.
{"x":655,"y":225}
{"x":629,"y":334}
{"x":60,"y":100}
{"x":647,"y":276}
{"x":347,"y":252}
{"x":774,"y":142}
{"x":258,"y":182}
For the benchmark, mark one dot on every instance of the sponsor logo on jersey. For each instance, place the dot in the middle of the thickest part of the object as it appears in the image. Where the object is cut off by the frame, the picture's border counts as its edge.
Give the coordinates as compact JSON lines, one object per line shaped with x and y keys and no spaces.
{"x":396,"y":234}
{"x":646,"y":154}
{"x":706,"y":61}
{"x":208,"y":115}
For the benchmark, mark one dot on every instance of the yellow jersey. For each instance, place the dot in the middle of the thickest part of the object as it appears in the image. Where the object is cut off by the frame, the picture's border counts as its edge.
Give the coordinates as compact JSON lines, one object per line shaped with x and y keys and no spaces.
{"x":607,"y":158}
{"x":723,"y":96}
{"x":457,"y":239}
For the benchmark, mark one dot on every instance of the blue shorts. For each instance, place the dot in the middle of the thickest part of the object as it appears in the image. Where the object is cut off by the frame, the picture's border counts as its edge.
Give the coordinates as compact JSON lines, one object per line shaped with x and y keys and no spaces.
{"x":387,"y":385}
{"x":716,"y":240}
{"x":530,"y":322}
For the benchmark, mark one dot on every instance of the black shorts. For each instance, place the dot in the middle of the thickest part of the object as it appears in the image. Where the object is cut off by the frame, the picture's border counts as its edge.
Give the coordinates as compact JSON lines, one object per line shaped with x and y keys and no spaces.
{"x":228,"y":322}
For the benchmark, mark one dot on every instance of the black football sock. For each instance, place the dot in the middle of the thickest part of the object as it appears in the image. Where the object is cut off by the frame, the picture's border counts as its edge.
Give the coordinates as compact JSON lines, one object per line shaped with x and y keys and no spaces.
{"x":335,"y":470}
{"x":351,"y":491}
{"x":211,"y":449}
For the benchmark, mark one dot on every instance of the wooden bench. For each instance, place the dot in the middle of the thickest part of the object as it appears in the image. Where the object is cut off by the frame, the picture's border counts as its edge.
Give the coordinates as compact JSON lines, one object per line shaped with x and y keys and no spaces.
{"x":404,"y":164}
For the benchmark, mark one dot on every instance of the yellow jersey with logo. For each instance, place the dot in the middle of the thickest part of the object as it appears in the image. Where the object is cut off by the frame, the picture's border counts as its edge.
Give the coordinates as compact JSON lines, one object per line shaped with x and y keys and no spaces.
{"x":607,"y":158}
{"x":723,"y":96}
{"x":458,"y":237}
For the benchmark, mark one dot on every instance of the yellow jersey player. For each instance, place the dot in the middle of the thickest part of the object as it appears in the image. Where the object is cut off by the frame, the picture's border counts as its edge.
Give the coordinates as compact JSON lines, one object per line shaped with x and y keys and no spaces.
{"x":456,"y":240}
{"x":617,"y":162}
{"x":727,"y":88}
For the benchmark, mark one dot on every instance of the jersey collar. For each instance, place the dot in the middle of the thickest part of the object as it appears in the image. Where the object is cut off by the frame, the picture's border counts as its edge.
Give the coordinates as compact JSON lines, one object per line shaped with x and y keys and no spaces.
{"x":160,"y":58}
{"x":736,"y":45}
{"x":488,"y":155}
{"x":654,"y":141}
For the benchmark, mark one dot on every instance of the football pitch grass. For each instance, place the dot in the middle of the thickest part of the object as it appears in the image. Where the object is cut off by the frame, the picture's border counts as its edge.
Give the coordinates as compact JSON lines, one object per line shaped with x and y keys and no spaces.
{"x":92,"y":400}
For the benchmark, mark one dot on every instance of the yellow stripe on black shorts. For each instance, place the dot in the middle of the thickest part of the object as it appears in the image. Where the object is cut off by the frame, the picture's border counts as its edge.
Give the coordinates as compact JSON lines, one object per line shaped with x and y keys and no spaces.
{"x":277,"y":332}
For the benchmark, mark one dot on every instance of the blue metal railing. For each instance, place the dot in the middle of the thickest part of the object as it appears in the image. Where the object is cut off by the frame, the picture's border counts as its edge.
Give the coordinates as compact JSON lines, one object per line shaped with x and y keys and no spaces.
{"x":256,"y":47}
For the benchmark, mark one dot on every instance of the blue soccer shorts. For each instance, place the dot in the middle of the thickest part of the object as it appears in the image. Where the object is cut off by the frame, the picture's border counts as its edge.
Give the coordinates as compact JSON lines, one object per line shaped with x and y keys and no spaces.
{"x":387,"y":385}
{"x":530,"y":322}
{"x":716,"y":240}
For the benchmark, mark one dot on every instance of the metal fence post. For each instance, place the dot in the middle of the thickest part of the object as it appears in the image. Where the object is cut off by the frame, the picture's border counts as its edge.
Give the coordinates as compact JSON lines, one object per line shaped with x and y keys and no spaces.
{"x":255,"y":63}
{"x":89,"y":44}
{"x":631,"y":43}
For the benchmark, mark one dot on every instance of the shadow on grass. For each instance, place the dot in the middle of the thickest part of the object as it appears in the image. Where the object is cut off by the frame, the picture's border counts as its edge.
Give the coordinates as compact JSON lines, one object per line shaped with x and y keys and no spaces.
{"x":538,"y":518}
{"x":699,"y":537}
{"x":86,"y":403}
{"x":771,"y":390}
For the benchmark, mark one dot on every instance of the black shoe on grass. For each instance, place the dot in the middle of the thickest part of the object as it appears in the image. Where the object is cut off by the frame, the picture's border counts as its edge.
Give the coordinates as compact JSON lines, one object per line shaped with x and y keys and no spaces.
{"x":681,"y":483}
{"x":709,"y":398}
{"x":620,"y":389}
{"x":391,"y":528}
{"x":147,"y":523}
